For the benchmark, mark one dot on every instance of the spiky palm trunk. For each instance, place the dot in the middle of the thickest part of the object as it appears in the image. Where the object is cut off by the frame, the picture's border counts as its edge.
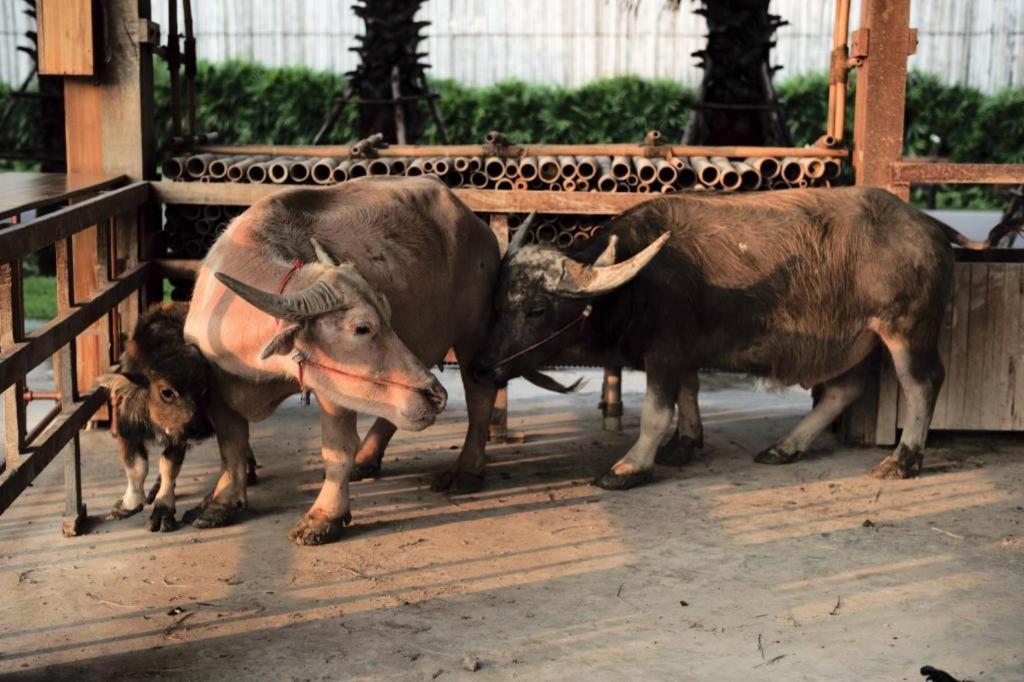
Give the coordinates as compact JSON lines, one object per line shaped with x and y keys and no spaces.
{"x":737,"y":102}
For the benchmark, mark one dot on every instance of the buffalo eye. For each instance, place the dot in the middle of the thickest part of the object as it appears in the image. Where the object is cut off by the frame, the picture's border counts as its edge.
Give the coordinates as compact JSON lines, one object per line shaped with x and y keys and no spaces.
{"x":362,"y":329}
{"x":535,"y":312}
{"x":168,"y":394}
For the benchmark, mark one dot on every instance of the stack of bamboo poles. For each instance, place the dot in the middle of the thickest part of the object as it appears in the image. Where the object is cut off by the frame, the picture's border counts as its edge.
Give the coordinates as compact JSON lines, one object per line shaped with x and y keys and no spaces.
{"x":190,"y":229}
{"x":565,"y":232}
{"x":546,"y":173}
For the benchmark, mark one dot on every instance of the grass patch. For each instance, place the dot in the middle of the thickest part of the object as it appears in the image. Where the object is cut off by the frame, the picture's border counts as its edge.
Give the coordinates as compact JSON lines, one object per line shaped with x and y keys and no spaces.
{"x":41,"y":296}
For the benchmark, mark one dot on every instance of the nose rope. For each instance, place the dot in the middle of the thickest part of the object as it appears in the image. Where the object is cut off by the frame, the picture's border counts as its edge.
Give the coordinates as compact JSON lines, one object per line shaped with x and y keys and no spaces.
{"x":301,"y":360}
{"x":299,"y":357}
{"x":579,"y":320}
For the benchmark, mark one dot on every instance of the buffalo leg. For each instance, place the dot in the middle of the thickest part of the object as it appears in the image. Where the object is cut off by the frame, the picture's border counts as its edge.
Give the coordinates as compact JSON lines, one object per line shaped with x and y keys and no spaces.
{"x":689,"y":433}
{"x":637,"y":467}
{"x":838,"y":394}
{"x":330,"y":513}
{"x":920,"y":375}
{"x":162,"y":518}
{"x":467,"y":474}
{"x":229,"y":495}
{"x":371,"y":451}
{"x":135,"y":461}
{"x":251,"y":478}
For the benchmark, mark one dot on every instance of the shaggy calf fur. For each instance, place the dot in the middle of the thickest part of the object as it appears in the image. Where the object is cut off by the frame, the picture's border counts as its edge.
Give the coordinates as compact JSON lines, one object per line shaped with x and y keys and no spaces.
{"x":159,"y":395}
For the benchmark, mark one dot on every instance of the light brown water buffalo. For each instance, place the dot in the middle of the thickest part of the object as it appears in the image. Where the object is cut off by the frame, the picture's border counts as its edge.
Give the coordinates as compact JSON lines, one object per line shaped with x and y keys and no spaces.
{"x":350,"y":292}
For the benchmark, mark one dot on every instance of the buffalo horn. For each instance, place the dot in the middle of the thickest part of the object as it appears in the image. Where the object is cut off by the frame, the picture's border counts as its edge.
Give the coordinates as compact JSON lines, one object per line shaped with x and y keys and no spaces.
{"x":321,"y":253}
{"x":549,"y":383}
{"x":520,"y":237}
{"x":607,"y":256}
{"x":317,"y":299}
{"x":584,"y":281}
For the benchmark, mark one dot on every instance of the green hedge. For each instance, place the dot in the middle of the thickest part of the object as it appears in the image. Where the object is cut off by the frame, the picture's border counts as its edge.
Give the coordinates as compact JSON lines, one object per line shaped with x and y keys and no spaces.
{"x":249,"y":103}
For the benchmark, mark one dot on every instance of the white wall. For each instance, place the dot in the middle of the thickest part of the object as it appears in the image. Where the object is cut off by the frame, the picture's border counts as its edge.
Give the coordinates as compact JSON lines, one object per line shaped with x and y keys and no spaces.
{"x":976,"y":42}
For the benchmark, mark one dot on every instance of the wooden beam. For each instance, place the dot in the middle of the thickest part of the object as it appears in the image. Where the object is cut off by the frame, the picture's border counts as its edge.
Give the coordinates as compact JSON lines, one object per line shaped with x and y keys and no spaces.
{"x":481,"y":200}
{"x":910,"y":172}
{"x":20,"y":240}
{"x":69,"y":33}
{"x":344,"y":151}
{"x":21,"y":192}
{"x":18,"y":359}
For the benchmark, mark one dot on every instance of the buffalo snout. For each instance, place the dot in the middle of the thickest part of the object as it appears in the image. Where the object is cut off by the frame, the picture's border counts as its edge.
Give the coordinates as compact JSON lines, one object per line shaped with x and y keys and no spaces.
{"x":436,"y":395}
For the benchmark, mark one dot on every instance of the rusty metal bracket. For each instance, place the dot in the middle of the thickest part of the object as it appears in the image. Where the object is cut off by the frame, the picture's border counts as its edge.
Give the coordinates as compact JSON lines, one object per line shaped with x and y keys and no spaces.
{"x":859,"y":42}
{"x":912,"y":42}
{"x":148,"y":32}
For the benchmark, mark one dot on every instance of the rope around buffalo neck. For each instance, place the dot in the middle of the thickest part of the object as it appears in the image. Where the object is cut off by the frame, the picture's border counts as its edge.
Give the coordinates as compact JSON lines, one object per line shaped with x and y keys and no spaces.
{"x":579,"y":320}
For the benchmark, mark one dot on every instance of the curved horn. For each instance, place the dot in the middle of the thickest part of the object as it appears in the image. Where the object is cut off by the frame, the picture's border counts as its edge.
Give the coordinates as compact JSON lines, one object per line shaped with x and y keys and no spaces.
{"x":321,"y":253}
{"x":583,"y":281}
{"x":316,"y":299}
{"x":520,"y":237}
{"x":542,"y":380}
{"x":607,"y":256}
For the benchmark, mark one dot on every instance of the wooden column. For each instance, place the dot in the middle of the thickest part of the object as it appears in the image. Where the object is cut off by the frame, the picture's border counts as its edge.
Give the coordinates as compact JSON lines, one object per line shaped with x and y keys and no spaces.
{"x":109,"y":130}
{"x":499,"y":416}
{"x":611,"y":399}
{"x":498,"y":432}
{"x":877,"y":146}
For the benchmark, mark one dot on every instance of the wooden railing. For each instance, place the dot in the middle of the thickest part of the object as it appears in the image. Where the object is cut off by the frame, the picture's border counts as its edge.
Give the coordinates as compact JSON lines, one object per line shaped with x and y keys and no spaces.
{"x":115,"y":215}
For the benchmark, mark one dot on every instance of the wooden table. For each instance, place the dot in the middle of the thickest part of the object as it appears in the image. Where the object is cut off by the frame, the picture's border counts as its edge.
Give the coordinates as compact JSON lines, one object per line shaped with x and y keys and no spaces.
{"x":20,"y":192}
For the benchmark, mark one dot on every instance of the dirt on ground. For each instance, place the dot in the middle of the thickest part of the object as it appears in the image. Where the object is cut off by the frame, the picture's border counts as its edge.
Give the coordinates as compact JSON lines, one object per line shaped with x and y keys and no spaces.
{"x":720,"y":570}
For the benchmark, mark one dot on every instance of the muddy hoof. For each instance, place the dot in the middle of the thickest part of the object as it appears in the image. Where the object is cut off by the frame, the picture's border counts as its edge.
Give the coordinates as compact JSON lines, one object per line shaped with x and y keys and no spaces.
{"x":774,"y":455}
{"x":365,"y":470}
{"x":458,"y":482}
{"x":614,"y":481}
{"x":679,"y":450}
{"x":904,"y":463}
{"x":316,"y":528}
{"x":162,"y":520}
{"x":119,"y":511}
{"x":210,"y":516}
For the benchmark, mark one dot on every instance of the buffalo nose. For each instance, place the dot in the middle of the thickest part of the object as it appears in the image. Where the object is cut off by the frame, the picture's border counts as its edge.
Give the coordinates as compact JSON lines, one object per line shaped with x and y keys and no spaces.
{"x":436,"y":395}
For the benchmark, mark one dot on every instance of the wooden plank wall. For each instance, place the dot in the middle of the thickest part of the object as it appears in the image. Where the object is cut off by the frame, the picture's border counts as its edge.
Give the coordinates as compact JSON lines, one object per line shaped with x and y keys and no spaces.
{"x":982,"y":348}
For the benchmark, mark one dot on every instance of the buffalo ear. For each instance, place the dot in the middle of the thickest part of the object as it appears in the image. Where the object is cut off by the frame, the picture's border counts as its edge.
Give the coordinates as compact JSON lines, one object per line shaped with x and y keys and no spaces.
{"x":282,"y":343}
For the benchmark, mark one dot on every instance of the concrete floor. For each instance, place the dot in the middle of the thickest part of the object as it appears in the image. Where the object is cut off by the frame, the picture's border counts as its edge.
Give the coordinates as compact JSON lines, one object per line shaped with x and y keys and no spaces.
{"x":722,"y":570}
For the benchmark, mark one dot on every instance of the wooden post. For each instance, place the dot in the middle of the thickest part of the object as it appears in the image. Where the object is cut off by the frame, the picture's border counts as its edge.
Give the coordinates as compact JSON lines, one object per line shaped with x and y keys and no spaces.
{"x":12,"y":331}
{"x":499,"y":417}
{"x":65,"y":377}
{"x":611,"y":399}
{"x":877,"y":147}
{"x":109,"y":130}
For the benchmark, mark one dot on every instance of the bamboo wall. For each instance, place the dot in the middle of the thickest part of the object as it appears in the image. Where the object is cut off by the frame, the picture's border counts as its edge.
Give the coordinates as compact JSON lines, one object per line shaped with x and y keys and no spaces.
{"x":571,"y":42}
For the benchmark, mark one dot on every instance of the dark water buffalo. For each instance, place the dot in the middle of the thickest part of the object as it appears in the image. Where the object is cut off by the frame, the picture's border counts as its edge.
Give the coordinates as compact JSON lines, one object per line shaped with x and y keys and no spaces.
{"x":158,"y":395}
{"x":796,"y":286}
{"x":351,"y":292}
